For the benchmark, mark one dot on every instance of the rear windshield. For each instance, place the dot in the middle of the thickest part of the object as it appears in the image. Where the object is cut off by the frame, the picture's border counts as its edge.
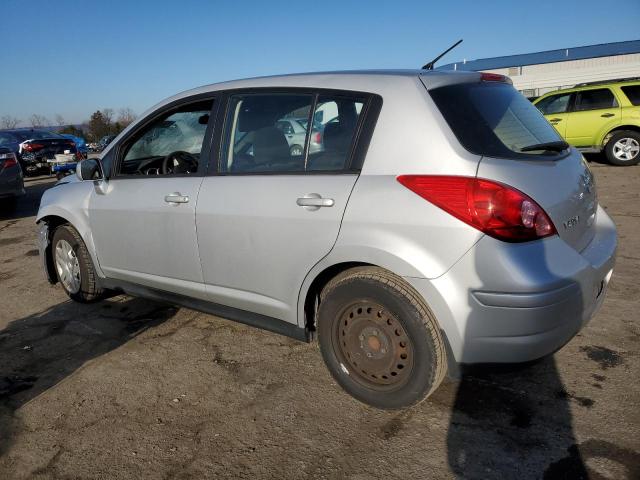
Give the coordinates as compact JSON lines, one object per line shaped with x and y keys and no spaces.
{"x":493,"y":119}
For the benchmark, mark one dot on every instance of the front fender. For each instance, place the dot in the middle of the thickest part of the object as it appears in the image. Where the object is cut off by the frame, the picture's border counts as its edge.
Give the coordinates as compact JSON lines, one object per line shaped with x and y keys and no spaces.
{"x":68,"y":203}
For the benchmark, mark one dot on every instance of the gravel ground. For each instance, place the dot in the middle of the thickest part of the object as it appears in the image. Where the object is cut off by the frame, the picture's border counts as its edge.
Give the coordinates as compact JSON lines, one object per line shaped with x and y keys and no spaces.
{"x":128,"y":388}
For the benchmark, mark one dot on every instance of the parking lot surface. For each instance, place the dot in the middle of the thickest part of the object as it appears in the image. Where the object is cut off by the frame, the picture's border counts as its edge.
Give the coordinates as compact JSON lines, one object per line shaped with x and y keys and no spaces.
{"x":129,"y":388}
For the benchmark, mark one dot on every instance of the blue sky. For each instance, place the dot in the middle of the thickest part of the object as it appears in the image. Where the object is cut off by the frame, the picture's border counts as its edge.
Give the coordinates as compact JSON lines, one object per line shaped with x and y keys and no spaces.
{"x":72,"y":57}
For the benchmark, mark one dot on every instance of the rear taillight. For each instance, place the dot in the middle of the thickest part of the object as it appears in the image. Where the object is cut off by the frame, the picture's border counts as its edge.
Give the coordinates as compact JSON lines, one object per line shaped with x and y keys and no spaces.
{"x":8,"y":160}
{"x":493,"y":208}
{"x":32,"y":147}
{"x":317,"y":137}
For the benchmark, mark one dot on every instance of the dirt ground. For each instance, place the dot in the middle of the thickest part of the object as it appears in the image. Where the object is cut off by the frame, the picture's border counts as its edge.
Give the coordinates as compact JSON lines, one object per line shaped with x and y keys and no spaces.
{"x":128,"y":388}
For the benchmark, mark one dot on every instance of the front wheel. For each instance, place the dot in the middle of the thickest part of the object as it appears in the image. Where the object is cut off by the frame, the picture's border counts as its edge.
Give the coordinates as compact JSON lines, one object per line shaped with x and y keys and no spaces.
{"x":379,"y":340}
{"x":623,"y":148}
{"x":74,"y":266}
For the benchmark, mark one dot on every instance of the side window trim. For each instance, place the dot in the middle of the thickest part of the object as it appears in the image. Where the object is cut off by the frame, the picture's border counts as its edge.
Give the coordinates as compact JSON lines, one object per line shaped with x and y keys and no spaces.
{"x":205,"y":154}
{"x":358,"y":149}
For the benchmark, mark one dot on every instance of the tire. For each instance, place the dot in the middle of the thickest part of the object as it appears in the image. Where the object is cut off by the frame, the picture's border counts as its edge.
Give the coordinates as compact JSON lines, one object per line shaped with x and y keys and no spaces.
{"x":87,"y":289}
{"x":296,"y":151}
{"x":614,"y":148}
{"x":371,"y":316}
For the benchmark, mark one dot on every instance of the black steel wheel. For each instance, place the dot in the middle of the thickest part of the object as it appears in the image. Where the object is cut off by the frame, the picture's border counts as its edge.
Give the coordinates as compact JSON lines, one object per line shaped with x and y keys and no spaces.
{"x":379,"y":340}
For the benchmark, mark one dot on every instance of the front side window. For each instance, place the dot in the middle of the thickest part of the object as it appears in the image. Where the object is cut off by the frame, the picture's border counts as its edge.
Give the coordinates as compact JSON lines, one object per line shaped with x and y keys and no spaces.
{"x":554,"y":104}
{"x":595,"y":99}
{"x":267,"y":133}
{"x":633,"y":93}
{"x":170,"y":145}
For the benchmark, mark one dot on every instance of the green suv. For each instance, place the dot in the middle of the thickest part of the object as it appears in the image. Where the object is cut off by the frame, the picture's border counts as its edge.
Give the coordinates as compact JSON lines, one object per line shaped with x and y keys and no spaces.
{"x":598,"y":116}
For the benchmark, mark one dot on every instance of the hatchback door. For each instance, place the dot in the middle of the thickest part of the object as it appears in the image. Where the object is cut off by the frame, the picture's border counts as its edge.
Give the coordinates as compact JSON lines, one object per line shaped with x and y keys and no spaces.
{"x":507,"y":130}
{"x":595,"y":112}
{"x":269,"y":215}
{"x":143,"y":224}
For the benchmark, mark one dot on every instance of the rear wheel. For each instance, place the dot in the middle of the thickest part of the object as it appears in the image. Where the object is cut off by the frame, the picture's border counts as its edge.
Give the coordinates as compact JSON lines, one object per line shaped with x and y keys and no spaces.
{"x":379,"y":340}
{"x":623,"y":148}
{"x":74,"y":266}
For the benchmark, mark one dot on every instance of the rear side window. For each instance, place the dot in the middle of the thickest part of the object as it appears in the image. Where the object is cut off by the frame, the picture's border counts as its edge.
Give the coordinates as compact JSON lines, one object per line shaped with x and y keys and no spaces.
{"x":633,"y":93}
{"x":595,"y":99}
{"x":265,"y":133}
{"x":493,"y":119}
{"x":554,"y":104}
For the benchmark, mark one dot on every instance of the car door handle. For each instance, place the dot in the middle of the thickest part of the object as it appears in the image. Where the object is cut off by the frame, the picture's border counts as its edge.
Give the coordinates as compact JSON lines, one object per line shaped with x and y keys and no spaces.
{"x":555,"y":120}
{"x":313,"y":201}
{"x":175,"y":198}
{"x":607,"y":115}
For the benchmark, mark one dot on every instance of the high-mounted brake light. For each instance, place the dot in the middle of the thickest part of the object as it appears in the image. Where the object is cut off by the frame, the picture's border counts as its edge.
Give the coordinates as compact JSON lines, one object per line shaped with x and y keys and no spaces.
{"x":494,"y":77}
{"x":493,"y":208}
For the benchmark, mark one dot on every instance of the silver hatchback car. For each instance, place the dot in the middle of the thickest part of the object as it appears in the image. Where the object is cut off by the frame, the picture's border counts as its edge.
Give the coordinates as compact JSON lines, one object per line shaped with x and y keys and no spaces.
{"x":444,"y":222}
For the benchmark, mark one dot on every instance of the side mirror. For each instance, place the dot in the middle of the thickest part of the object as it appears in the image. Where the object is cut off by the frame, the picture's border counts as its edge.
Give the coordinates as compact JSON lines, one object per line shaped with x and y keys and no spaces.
{"x":90,"y":169}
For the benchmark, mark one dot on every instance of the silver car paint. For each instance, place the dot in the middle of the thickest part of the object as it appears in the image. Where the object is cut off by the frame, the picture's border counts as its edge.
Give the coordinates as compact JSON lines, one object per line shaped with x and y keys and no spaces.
{"x":453,"y":266}
{"x":149,"y":244}
{"x":257,"y":244}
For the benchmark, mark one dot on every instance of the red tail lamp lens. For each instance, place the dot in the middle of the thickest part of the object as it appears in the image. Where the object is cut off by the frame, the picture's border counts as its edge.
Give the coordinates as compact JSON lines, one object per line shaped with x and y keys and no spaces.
{"x":493,"y":208}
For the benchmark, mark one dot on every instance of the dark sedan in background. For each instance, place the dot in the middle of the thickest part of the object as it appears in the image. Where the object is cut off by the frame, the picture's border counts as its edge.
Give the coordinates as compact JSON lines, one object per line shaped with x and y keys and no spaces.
{"x":33,"y":148}
{"x":11,"y":182}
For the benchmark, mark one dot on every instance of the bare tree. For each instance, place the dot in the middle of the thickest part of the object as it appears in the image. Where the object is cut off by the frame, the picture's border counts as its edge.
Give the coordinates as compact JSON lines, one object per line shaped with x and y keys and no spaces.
{"x":107,"y":114}
{"x":7,"y":121}
{"x":38,"y":120}
{"x":125,"y":116}
{"x":59,"y":120}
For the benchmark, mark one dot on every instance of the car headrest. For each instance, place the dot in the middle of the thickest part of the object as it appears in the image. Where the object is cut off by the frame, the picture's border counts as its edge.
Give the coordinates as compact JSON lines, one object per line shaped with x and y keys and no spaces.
{"x":336,"y":137}
{"x":269,"y":145}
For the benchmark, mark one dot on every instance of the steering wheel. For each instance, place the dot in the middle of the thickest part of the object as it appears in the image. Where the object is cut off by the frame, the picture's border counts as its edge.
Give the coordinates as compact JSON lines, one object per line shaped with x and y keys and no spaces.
{"x":179,"y":162}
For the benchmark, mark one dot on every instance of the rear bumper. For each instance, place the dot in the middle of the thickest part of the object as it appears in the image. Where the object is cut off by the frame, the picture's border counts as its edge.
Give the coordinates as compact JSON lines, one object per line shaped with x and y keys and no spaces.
{"x":518,"y":302}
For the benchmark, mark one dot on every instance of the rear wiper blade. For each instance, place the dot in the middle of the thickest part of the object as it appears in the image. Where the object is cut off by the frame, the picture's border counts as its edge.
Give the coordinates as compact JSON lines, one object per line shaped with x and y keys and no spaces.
{"x":557,"y":146}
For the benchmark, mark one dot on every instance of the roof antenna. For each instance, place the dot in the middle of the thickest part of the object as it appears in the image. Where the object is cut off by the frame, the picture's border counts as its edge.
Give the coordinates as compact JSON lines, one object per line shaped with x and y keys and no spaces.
{"x":429,"y":66}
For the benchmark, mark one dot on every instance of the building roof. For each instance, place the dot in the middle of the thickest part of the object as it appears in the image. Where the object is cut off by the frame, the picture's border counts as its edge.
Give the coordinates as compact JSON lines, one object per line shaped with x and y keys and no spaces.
{"x":549,"y":56}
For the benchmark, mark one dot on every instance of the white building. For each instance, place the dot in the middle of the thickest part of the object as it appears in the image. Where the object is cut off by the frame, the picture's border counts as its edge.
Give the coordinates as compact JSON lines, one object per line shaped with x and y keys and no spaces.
{"x":537,"y":73}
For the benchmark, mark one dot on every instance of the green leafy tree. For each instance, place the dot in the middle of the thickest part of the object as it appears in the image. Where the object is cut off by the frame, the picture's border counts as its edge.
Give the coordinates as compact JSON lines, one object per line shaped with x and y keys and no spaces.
{"x":72,"y":130}
{"x":99,"y":126}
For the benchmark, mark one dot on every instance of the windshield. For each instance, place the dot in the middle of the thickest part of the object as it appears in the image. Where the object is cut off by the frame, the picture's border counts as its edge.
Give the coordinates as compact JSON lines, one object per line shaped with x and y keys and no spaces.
{"x":493,"y":119}
{"x":6,"y":138}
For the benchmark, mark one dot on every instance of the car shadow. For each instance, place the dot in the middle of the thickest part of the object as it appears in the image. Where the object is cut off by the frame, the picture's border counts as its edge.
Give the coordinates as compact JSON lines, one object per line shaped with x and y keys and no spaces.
{"x":599,"y":158}
{"x":514,"y":420}
{"x":39,"y":351}
{"x":28,"y":204}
